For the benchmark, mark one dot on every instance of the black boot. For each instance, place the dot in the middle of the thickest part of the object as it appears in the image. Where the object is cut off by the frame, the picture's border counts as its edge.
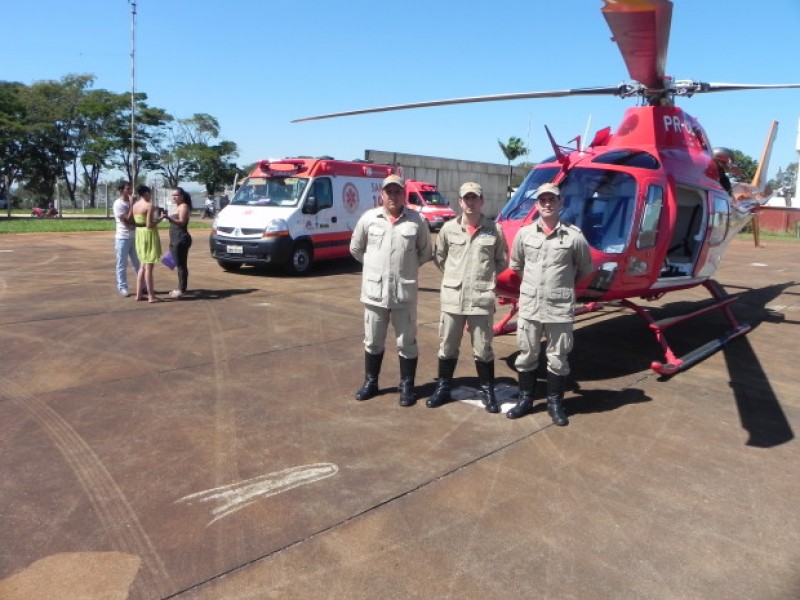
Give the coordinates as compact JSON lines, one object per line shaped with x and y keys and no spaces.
{"x":447,"y":366}
{"x":408,"y":369}
{"x":372,"y":368}
{"x":555,"y":395}
{"x":527,"y":381}
{"x":486,"y":383}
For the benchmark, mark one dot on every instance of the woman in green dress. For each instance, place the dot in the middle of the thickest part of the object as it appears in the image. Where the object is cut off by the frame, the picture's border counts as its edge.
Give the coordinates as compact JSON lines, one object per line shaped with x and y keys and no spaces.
{"x":146,"y":217}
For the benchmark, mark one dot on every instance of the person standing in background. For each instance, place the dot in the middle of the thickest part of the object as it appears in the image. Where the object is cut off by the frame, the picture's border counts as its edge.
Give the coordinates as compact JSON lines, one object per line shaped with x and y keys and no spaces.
{"x":124,"y":246}
{"x":180,"y":240}
{"x":148,"y":243}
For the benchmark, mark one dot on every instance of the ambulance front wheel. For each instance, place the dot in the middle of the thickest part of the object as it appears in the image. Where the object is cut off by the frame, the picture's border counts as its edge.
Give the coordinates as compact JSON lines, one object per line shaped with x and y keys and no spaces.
{"x":300,"y":259}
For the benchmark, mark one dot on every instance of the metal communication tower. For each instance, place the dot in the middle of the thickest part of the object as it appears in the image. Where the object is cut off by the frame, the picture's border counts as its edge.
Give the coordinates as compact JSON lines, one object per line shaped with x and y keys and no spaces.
{"x":133,"y":164}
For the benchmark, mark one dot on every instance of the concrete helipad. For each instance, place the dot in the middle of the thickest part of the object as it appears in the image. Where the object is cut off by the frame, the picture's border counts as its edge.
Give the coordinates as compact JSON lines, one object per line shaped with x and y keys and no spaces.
{"x":211,"y":448}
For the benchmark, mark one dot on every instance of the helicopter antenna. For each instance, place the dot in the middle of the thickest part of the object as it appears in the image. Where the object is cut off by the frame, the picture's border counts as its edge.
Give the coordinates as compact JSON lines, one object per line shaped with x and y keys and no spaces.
{"x":586,"y":132}
{"x":560,"y":156}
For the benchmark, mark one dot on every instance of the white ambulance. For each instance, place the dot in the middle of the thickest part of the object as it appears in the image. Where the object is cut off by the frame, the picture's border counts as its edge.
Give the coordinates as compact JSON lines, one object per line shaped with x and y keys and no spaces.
{"x":295,"y":211}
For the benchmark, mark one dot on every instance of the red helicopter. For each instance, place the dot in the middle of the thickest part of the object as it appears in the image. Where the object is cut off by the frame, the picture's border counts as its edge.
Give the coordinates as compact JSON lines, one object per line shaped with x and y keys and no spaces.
{"x":652,"y":198}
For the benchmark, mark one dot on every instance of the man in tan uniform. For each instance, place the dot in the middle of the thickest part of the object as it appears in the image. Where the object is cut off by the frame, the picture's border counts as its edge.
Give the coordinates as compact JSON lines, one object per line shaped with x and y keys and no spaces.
{"x":550,"y":257}
{"x":392,"y":242}
{"x":470,"y":251}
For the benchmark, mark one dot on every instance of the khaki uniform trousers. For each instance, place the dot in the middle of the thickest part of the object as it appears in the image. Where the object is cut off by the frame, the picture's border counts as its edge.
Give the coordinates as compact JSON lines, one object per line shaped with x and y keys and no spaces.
{"x":559,"y":345}
{"x":451,"y":330}
{"x":376,"y":326}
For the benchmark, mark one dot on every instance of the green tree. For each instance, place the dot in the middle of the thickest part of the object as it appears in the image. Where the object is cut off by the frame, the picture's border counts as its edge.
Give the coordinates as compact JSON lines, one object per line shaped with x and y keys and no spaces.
{"x":746,"y":165}
{"x":14,"y":149}
{"x":100,"y":112}
{"x":181,"y":147}
{"x":512,"y":150}
{"x":785,"y":182}
{"x":53,"y":122}
{"x":149,"y":130}
{"x":215,"y":166}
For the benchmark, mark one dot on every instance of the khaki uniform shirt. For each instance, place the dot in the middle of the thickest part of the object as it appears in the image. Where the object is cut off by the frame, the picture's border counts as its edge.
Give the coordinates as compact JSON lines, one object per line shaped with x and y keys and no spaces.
{"x":550,"y":266}
{"x":470,"y":265}
{"x":392,"y":254}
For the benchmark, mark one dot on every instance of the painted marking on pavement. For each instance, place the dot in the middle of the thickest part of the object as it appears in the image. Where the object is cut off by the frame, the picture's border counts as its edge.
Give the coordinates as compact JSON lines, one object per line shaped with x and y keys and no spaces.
{"x":506,"y":395}
{"x":235,"y":496}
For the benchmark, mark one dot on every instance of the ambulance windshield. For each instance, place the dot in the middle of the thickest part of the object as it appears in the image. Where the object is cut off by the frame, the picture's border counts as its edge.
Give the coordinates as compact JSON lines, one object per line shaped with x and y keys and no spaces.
{"x":270,"y":191}
{"x":434,"y":199}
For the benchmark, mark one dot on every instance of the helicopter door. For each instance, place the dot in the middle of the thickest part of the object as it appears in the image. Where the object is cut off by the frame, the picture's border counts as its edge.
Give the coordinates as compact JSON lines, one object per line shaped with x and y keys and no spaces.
{"x":687,"y":233}
{"x":640,"y":262}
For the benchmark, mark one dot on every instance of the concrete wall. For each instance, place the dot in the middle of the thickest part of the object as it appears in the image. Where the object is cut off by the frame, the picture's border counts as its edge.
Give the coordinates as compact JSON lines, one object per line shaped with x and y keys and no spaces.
{"x":448,"y":174}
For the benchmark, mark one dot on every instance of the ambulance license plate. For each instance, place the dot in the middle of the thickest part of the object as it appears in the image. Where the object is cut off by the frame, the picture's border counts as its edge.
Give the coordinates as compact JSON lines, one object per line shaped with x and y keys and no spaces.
{"x":234,"y":250}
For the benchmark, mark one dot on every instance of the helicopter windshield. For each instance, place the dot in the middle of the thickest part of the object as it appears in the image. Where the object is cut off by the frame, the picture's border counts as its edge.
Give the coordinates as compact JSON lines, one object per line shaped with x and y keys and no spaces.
{"x":522,"y":202}
{"x":272,"y":191}
{"x":601,"y":203}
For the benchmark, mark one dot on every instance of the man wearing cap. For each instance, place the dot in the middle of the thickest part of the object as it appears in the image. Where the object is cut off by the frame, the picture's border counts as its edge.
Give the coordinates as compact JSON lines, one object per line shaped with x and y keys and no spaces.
{"x":391,"y":242}
{"x":550,"y":257}
{"x":470,"y":252}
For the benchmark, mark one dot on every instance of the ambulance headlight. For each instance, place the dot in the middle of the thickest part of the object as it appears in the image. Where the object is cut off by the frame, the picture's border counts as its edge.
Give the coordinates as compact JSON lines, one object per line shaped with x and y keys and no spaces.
{"x":276,"y":227}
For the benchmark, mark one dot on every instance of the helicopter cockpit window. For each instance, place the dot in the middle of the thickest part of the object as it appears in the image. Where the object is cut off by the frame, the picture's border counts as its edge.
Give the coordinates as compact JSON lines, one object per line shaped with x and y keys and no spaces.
{"x":650,"y":217}
{"x":522,"y":202}
{"x":628,"y":158}
{"x":601,"y":203}
{"x":719,"y":220}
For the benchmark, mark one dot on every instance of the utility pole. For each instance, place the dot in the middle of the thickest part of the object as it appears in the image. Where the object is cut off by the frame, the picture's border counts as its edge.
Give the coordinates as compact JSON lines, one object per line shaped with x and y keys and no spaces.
{"x":134,"y":165}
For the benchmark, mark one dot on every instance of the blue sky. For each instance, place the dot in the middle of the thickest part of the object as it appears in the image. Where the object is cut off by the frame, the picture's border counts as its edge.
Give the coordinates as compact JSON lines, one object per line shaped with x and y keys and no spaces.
{"x":255,"y":66}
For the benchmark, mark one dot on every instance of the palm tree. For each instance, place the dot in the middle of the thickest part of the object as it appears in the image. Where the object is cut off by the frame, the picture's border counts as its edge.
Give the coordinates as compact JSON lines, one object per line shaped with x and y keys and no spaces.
{"x":512,"y":150}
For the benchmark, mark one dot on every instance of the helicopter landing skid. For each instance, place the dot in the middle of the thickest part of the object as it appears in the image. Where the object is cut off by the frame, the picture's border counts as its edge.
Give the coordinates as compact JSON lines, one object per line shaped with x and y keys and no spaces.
{"x":673,"y":364}
{"x":503,"y":327}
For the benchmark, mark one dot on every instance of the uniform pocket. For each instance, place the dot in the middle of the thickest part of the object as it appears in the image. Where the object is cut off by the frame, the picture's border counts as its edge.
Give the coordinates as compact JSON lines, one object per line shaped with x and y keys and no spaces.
{"x":486,"y":245}
{"x":560,"y":302}
{"x":451,"y":291}
{"x":375,"y":237}
{"x":406,"y":290}
{"x":484,"y":295}
{"x":533,"y":249}
{"x":373,"y":286}
{"x":409,"y":239}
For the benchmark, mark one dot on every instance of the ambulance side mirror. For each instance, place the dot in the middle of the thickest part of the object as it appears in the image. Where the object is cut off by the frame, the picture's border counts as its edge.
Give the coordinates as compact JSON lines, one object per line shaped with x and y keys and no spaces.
{"x":310,"y":206}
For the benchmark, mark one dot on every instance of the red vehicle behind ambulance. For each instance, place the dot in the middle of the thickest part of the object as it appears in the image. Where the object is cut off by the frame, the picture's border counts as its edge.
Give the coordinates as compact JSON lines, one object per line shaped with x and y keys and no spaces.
{"x":295,"y":211}
{"x":429,"y":203}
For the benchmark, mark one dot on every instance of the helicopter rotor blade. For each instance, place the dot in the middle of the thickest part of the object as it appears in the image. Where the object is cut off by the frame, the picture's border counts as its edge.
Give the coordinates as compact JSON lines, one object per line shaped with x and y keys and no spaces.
{"x":619,"y":90}
{"x":640,"y":29}
{"x":733,"y":87}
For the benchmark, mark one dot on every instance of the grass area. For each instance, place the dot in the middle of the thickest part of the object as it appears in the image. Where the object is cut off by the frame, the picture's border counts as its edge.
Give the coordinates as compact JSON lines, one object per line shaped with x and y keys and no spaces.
{"x":26,"y":224}
{"x":771,"y":235}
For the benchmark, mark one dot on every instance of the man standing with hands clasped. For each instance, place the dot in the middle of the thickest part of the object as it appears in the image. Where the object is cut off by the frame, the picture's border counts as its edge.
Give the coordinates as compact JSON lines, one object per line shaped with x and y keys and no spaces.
{"x":550,"y":257}
{"x":470,"y":252}
{"x":392,"y":242}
